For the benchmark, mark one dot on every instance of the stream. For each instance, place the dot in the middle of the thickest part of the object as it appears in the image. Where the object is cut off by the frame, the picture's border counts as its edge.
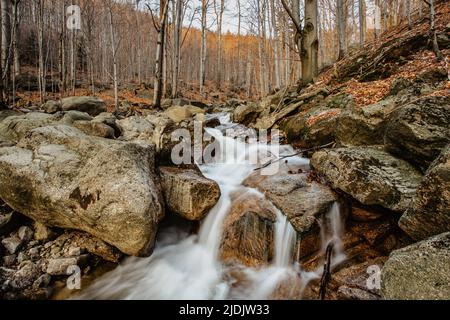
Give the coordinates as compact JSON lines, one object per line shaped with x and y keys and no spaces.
{"x":187,"y":267}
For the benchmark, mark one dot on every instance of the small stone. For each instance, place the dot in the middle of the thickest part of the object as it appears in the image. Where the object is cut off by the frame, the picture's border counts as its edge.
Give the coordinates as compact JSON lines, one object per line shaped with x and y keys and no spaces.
{"x":25,"y":233}
{"x":43,"y":281}
{"x":42,"y":232}
{"x":9,"y":261}
{"x":60,"y":266}
{"x":27,"y":274}
{"x":22,"y":257}
{"x":12,"y":244}
{"x":349,"y":293}
{"x":74,"y":251}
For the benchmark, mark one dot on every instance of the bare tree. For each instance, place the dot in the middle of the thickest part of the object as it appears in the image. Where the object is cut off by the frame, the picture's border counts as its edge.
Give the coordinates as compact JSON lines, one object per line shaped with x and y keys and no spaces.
{"x":341,"y":21}
{"x":219,"y":10}
{"x":306,"y":37}
{"x":161,"y":29}
{"x":205,"y":4}
{"x":362,"y":22}
{"x":433,"y":36}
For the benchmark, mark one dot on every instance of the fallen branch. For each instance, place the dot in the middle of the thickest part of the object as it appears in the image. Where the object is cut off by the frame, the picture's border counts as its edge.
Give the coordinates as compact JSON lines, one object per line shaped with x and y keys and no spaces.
{"x":326,"y":275}
{"x":293,"y":155}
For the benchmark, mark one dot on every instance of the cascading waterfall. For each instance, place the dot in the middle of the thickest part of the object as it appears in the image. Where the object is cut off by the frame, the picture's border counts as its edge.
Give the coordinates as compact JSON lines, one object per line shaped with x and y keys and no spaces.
{"x":189,"y":268}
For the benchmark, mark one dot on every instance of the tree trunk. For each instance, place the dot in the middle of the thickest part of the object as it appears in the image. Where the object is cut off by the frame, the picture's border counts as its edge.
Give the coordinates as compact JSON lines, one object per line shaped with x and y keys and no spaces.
{"x":341,"y":21}
{"x":41,"y":79}
{"x":433,"y":36}
{"x":310,"y":43}
{"x":203,"y":48}
{"x":176,"y":41}
{"x":362,"y":22}
{"x":114,"y":59}
{"x":158,"y":87}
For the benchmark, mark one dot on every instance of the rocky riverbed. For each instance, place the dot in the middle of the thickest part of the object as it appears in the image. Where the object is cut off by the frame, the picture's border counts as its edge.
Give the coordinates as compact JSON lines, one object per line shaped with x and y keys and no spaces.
{"x":82,"y":189}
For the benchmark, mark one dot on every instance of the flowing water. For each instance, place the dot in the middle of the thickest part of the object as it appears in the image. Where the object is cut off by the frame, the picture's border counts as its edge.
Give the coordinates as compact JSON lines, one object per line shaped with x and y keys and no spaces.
{"x":187,"y":266}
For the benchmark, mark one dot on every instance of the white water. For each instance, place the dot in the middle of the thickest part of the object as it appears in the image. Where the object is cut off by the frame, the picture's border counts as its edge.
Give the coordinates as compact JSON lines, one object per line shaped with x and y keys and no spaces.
{"x":187,"y":267}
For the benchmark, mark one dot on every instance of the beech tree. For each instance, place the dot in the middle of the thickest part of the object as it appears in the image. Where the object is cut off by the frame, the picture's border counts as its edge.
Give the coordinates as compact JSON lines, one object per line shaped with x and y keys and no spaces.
{"x":306,"y":37}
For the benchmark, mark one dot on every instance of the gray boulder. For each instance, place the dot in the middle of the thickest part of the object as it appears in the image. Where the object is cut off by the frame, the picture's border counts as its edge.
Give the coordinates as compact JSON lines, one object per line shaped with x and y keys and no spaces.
{"x":420,"y":130}
{"x":92,"y":105}
{"x":188,"y":193}
{"x":370,"y":175}
{"x":430,"y":212}
{"x":418,"y":272}
{"x":63,"y":178}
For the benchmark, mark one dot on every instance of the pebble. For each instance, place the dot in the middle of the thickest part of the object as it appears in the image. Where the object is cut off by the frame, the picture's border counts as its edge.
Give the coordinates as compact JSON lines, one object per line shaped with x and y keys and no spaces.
{"x":12,"y":244}
{"x":25,"y":233}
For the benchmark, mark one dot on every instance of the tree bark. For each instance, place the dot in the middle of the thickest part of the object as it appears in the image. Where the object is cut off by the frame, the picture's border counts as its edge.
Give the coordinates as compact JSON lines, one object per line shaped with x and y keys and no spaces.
{"x":362,"y":22}
{"x":203,"y":47}
{"x":341,"y":21}
{"x":158,"y":87}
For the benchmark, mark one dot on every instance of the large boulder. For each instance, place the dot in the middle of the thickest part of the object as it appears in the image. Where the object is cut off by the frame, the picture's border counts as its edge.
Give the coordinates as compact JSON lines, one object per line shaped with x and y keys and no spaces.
{"x":246,"y":113}
{"x":312,"y":128}
{"x":304,"y":203}
{"x":418,"y":272}
{"x":14,"y":128}
{"x":188,"y":193}
{"x":365,"y":125}
{"x":92,"y":105}
{"x":178,"y":114}
{"x":420,"y":130}
{"x":61,"y":177}
{"x":248,"y":230}
{"x":430,"y":212}
{"x":370,"y":175}
{"x":95,"y":128}
{"x":136,"y":128}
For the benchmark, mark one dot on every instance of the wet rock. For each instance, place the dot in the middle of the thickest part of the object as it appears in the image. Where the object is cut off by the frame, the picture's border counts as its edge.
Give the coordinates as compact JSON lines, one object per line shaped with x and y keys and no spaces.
{"x":418,"y":272}
{"x":303,"y":202}
{"x":188,"y":193}
{"x":248,"y":230}
{"x":92,"y":105}
{"x":58,"y":173}
{"x":94,"y":128}
{"x":52,"y":106}
{"x":364,"y":215}
{"x":419,"y":131}
{"x":430,"y":211}
{"x":370,"y":175}
{"x":12,"y":244}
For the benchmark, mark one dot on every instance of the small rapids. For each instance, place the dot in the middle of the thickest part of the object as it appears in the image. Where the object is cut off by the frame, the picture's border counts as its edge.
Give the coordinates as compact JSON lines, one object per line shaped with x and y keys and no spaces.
{"x":187,"y":267}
